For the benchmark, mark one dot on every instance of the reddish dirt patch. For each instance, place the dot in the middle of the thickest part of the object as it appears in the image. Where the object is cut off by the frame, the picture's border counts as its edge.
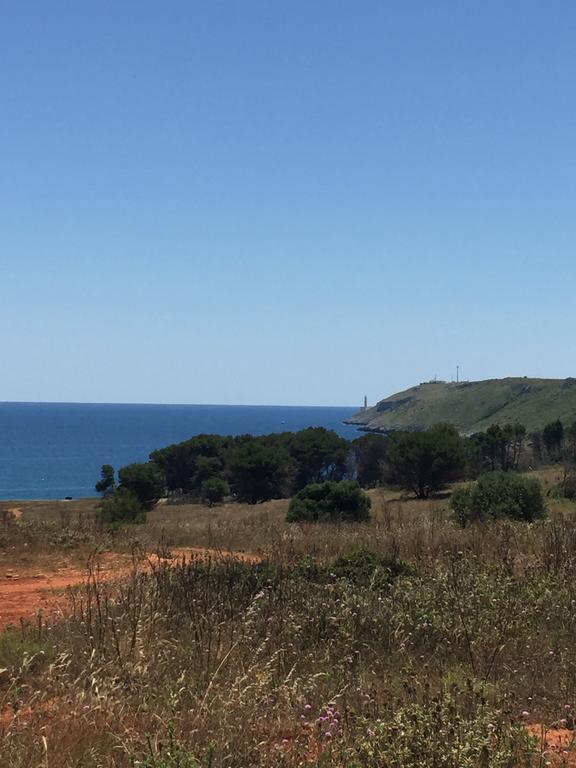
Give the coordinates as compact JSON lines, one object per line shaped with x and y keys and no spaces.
{"x":556,"y":745}
{"x":24,"y":591}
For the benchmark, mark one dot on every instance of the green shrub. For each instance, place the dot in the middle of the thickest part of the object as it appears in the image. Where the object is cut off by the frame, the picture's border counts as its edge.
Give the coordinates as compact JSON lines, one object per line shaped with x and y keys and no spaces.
{"x":330,"y":502}
{"x":145,"y":480}
{"x":366,"y":568}
{"x":122,"y":506}
{"x":456,"y":729}
{"x":214,"y":490}
{"x":499,"y":494}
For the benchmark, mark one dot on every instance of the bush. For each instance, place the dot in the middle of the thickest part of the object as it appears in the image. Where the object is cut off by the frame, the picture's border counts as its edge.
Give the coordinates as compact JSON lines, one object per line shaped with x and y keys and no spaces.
{"x":214,"y":490}
{"x":330,"y":502}
{"x":499,"y":494}
{"x":122,"y":506}
{"x":457,"y":728}
{"x":146,"y":481}
{"x":366,"y":568}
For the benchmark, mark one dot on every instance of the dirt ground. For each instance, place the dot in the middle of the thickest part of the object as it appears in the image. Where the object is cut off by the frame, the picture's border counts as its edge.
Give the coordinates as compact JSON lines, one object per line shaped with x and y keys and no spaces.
{"x":26,"y":589}
{"x":556,"y":745}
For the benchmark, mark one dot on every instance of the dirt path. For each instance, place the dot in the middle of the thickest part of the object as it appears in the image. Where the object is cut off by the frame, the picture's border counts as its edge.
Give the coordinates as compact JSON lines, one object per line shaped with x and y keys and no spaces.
{"x":24,"y":592}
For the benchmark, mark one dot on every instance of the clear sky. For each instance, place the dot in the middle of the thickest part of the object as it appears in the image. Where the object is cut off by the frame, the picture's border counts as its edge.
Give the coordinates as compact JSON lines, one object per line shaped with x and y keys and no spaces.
{"x":291,"y":202}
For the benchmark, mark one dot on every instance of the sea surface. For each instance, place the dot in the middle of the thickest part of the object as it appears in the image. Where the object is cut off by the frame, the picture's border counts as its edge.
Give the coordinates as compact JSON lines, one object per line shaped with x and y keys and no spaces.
{"x":53,"y":450}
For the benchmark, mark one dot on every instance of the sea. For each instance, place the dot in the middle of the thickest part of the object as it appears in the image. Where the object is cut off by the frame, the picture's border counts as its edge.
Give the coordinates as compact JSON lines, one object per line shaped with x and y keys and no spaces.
{"x":56,"y":450}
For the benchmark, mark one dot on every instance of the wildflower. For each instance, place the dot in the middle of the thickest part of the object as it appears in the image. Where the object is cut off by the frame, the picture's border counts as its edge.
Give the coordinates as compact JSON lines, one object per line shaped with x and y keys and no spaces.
{"x":307,"y":707}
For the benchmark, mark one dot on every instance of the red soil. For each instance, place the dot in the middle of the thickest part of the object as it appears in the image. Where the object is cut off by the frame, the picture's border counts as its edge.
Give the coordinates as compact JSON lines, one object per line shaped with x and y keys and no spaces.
{"x":556,"y":745}
{"x":24,"y":591}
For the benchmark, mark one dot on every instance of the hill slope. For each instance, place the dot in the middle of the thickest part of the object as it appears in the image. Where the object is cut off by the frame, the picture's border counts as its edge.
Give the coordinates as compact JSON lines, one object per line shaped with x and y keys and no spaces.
{"x":472,"y":406}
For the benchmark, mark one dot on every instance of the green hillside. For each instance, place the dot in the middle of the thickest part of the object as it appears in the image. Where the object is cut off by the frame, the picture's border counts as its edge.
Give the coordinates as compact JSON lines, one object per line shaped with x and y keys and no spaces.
{"x":472,"y":406}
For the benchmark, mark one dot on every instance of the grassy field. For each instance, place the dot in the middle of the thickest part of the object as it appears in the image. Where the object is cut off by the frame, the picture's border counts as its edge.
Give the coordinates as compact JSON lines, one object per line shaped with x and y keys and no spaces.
{"x":460,"y":642}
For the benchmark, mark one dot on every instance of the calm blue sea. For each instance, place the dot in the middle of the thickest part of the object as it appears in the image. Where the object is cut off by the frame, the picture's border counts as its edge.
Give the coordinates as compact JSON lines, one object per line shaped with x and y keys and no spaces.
{"x":52,"y":450}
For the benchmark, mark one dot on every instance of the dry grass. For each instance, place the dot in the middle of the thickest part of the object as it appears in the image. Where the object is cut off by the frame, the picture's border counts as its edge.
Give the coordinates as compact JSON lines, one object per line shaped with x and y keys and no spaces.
{"x":238,"y":665}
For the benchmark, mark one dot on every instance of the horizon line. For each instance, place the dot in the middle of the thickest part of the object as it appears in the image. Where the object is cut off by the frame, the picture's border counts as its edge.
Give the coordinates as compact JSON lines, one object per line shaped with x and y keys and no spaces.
{"x":201,"y":405}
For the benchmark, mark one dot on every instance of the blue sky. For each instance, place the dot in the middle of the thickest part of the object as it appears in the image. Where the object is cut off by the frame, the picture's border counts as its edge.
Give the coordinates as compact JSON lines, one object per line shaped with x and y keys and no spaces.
{"x":284,"y":202}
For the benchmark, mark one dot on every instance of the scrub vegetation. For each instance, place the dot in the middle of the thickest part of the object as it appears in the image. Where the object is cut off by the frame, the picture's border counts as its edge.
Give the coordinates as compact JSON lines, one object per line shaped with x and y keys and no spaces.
{"x":401,"y":638}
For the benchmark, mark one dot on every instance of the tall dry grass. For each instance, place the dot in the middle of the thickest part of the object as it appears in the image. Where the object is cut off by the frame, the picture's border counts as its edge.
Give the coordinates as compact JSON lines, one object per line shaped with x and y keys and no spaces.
{"x":223,"y":662}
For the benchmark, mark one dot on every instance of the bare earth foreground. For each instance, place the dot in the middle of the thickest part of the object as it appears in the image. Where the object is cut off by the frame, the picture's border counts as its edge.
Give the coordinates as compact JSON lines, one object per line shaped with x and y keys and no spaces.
{"x":24,"y":593}
{"x":29,"y":590}
{"x":514,"y":579}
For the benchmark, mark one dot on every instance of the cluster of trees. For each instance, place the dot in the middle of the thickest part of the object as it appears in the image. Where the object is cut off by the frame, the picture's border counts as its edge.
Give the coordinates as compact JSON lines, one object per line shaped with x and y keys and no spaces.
{"x":248,"y":468}
{"x":252,"y":469}
{"x":498,"y":448}
{"x":421,"y":462}
{"x":138,"y":488}
{"x":425,"y":461}
{"x":555,"y":443}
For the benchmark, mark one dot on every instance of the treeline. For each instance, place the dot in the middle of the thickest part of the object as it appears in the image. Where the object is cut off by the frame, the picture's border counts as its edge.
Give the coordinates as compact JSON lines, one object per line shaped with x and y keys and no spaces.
{"x":246,"y":468}
{"x":555,"y":443}
{"x":380,"y":459}
{"x":504,"y":447}
{"x":253,"y":469}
